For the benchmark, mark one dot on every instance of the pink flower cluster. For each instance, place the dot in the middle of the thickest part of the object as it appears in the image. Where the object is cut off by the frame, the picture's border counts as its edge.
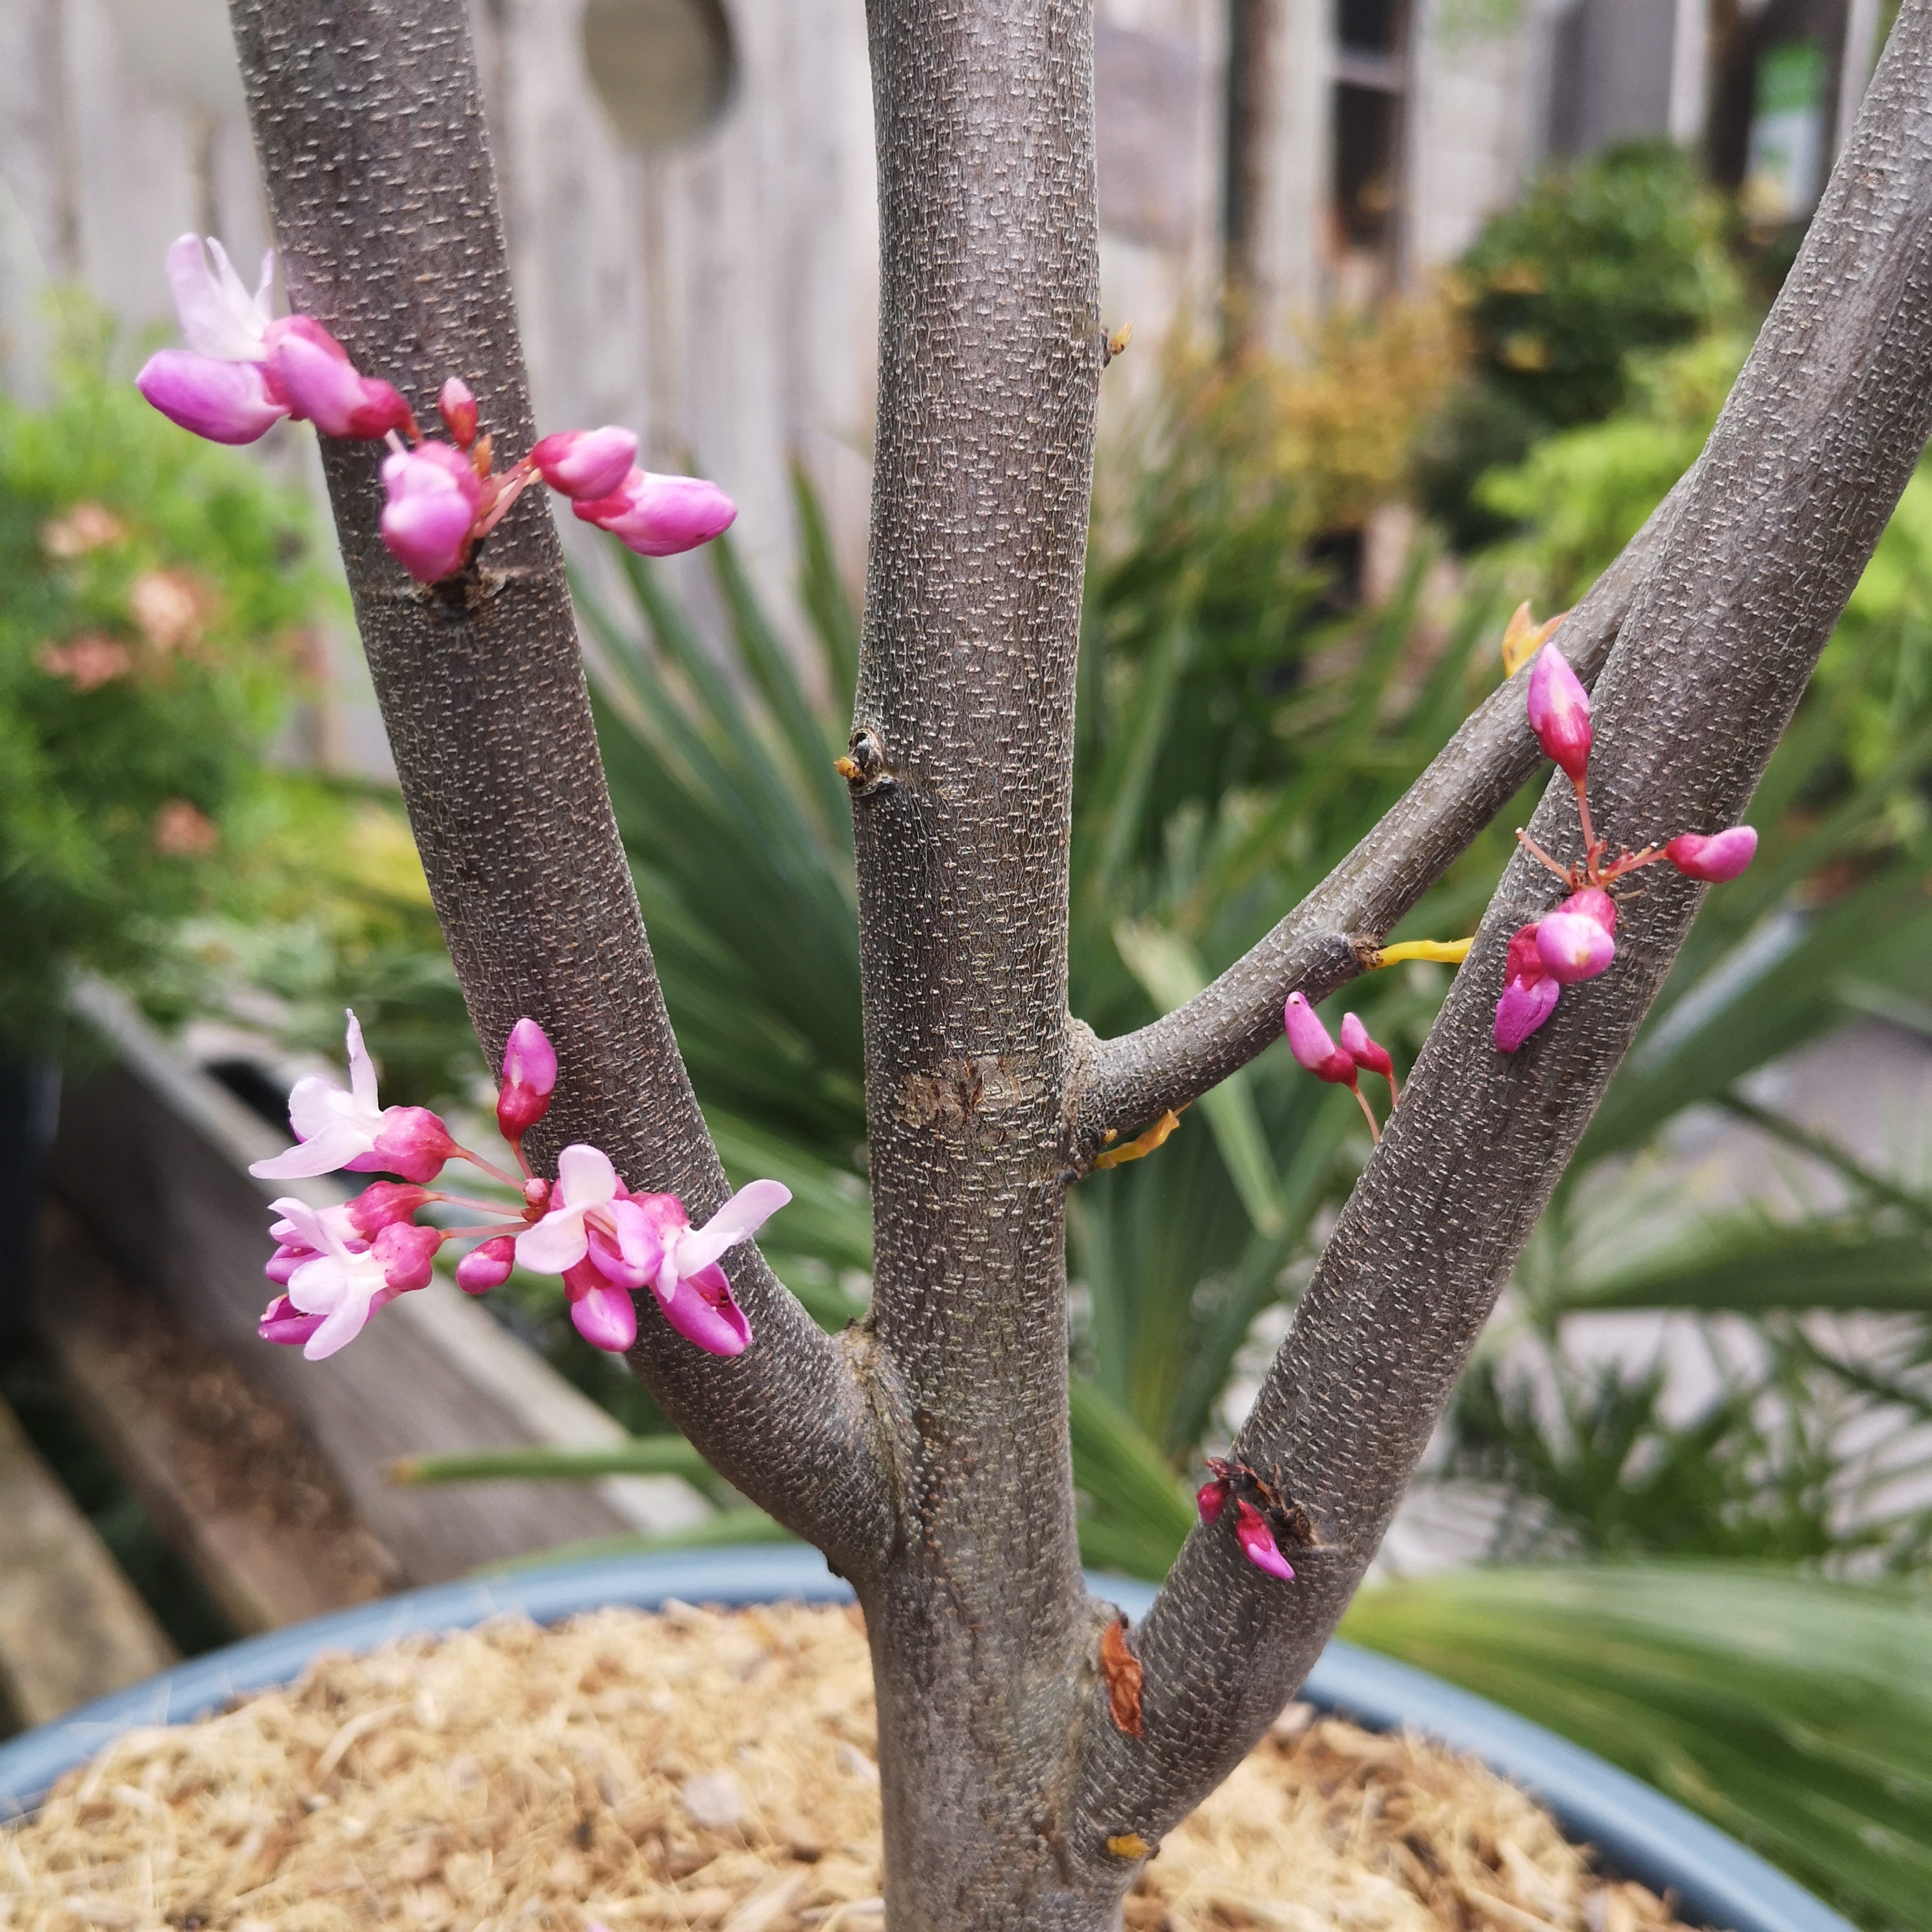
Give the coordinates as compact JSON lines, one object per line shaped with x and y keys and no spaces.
{"x":245,"y":369}
{"x":1308,"y":1040}
{"x":1577,"y":940}
{"x":337,"y":1265}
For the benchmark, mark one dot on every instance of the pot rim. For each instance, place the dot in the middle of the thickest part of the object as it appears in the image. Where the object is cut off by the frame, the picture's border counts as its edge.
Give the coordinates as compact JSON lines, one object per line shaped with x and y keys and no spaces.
{"x":1640,"y":1833}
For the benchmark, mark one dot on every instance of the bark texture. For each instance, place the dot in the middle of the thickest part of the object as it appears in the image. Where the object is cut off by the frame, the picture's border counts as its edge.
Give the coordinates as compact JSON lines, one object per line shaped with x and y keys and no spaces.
{"x":369,"y":122}
{"x":990,"y":360}
{"x":1776,"y":522}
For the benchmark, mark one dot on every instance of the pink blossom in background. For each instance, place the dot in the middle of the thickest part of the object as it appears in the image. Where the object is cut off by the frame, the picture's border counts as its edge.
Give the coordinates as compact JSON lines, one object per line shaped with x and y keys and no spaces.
{"x":588,"y":463}
{"x":1258,"y":1543}
{"x":434,"y":499}
{"x":1722,"y":856}
{"x":661,"y":516}
{"x":1559,"y":712}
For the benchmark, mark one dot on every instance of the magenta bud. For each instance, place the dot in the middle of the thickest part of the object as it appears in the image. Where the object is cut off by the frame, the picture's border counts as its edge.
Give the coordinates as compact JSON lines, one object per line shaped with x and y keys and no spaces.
{"x":458,"y":408}
{"x":434,"y":499}
{"x":1356,"y":1044}
{"x":1211,"y":1499}
{"x":382,"y":1203}
{"x":661,"y":516}
{"x":282,"y":1322}
{"x":1592,"y":902}
{"x":703,"y":1311}
{"x":1524,"y":1006}
{"x":589,"y":464}
{"x":486,"y":1265}
{"x":1722,"y":856}
{"x":1572,"y":946}
{"x":311,"y":371}
{"x":408,"y":1254}
{"x":1559,"y":712}
{"x":1258,"y":1543}
{"x":412,"y":1141}
{"x":1308,"y":1040}
{"x":224,"y":401}
{"x":529,"y":1078}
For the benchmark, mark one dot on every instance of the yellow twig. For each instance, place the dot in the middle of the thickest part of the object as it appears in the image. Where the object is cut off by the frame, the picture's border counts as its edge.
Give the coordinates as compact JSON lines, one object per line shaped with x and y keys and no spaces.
{"x":1141,"y":1145}
{"x":1444,"y":952}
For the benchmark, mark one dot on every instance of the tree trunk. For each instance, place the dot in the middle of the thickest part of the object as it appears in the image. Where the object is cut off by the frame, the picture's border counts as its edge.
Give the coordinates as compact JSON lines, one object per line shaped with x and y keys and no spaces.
{"x":990,"y":359}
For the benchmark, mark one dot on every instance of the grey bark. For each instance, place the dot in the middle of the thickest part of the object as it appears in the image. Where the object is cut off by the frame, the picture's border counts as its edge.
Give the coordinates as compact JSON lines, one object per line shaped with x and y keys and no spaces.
{"x":1776,"y":522}
{"x":369,"y":123}
{"x":928,"y":1452}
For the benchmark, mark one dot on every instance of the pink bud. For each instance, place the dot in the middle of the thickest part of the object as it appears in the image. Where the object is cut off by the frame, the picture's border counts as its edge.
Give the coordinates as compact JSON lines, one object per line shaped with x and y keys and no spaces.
{"x":1363,"y":1051}
{"x":1722,"y":856}
{"x":1524,"y":1006}
{"x":1211,"y":1499}
{"x":226,"y":402}
{"x":703,"y":1311}
{"x":408,"y":1254}
{"x":382,"y":1203}
{"x":588,"y":463}
{"x":661,"y":516}
{"x":434,"y":497}
{"x":530,"y":1078}
{"x":1592,"y":902}
{"x":311,"y":372}
{"x":412,"y":1141}
{"x":282,"y":1322}
{"x":1559,"y":712}
{"x":1258,"y":1543}
{"x":606,"y":1317}
{"x":1308,"y":1040}
{"x":1572,"y":946}
{"x":486,"y":1265}
{"x":458,"y":408}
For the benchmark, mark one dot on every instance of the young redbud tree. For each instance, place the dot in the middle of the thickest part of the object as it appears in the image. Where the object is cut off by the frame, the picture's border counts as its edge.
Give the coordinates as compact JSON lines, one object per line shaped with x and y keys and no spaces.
{"x":925,"y":1450}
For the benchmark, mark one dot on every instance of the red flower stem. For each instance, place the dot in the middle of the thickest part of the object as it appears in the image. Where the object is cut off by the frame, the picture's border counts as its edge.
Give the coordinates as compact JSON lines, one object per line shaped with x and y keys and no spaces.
{"x":1369,"y":1112}
{"x":1536,"y":852}
{"x":1631,"y":862}
{"x":486,"y":1232}
{"x":490,"y":1168}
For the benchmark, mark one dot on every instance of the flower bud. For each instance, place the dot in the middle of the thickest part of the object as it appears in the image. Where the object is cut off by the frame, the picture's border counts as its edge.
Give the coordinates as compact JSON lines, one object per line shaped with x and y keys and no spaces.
{"x":661,"y":516}
{"x":1258,"y":1543}
{"x":1363,"y":1051}
{"x":588,"y":463}
{"x":1308,"y":1040}
{"x":434,"y":499}
{"x":486,"y":1265}
{"x":530,"y":1078}
{"x":1211,"y":1499}
{"x":1559,"y":712}
{"x":1592,"y":902}
{"x":411,"y":1141}
{"x":383,"y":1203}
{"x":1572,"y":946}
{"x":226,"y":402}
{"x":311,"y":371}
{"x":1722,"y":856}
{"x":408,"y":1254}
{"x":458,"y":408}
{"x":605,"y":1316}
{"x":1524,"y":1006}
{"x":1525,"y":962}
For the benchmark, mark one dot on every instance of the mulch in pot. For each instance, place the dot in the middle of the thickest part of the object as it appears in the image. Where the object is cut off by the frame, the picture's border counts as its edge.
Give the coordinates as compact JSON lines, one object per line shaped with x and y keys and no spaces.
{"x":711,"y":1769}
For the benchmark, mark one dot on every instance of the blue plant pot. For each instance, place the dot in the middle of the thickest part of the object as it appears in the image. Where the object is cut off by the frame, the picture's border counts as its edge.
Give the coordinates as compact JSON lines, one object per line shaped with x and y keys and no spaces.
{"x":1641,"y":1834}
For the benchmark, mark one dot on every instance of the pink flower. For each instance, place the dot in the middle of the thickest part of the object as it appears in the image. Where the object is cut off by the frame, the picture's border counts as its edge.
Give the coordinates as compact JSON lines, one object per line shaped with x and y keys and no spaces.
{"x":311,"y":371}
{"x":1529,"y":994}
{"x":1308,"y":1040}
{"x":458,"y":408}
{"x":660,"y":516}
{"x":1721,"y":855}
{"x":1258,"y":1543}
{"x":1211,"y":1499}
{"x":593,"y":463}
{"x":530,"y":1078}
{"x":225,"y":402}
{"x":434,"y":500}
{"x":1363,"y":1051}
{"x":691,"y":1288}
{"x":344,"y":1284}
{"x":1573,"y":946}
{"x":486,"y":1265}
{"x":1559,"y":712}
{"x":381,"y":1204}
{"x":282,"y":1321}
{"x":335,"y":1129}
{"x":592,"y":1216}
{"x":603,"y":1313}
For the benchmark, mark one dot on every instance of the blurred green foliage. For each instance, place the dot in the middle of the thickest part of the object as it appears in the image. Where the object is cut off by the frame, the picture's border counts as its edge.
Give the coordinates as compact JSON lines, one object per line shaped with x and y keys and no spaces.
{"x":150,"y":590}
